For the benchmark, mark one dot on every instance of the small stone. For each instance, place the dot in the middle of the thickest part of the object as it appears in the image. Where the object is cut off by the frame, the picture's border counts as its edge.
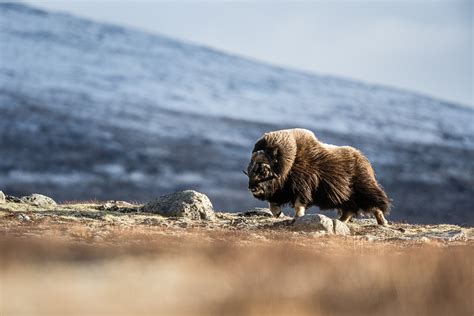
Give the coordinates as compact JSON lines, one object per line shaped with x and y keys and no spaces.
{"x":341,"y":228}
{"x":370,"y":238}
{"x":38,"y":200}
{"x":189,"y":204}
{"x":425,"y":239}
{"x":319,"y":222}
{"x":314,"y":222}
{"x":2,"y":197}
{"x":23,"y":217}
{"x":257,"y":211}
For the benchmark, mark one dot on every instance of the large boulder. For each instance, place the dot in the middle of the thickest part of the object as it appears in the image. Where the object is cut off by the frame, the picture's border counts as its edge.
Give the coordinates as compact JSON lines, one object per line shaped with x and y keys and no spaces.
{"x":38,"y":200}
{"x":2,"y":197}
{"x":319,"y":222}
{"x":189,"y":204}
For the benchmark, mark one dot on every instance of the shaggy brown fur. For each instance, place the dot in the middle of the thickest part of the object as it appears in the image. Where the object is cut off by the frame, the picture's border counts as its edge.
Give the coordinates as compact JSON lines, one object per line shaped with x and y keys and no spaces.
{"x":292,"y":166}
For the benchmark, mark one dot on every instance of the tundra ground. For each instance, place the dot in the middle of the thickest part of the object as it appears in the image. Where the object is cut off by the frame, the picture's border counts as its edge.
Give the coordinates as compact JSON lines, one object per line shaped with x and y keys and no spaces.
{"x":101,"y":259}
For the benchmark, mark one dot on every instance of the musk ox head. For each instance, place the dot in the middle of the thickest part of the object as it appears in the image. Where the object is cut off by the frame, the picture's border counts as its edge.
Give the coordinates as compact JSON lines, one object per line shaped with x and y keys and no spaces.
{"x":261,"y":175}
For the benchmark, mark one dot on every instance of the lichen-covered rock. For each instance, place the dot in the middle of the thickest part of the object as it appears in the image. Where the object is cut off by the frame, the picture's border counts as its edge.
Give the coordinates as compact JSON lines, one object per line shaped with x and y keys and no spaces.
{"x":2,"y":197}
{"x":319,"y":222}
{"x":189,"y":204}
{"x":118,"y":206}
{"x":38,"y":200}
{"x":314,"y":222}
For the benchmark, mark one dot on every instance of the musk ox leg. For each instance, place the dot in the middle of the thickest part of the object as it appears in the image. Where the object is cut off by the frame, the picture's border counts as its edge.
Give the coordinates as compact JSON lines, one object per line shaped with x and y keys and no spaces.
{"x":300,"y":208}
{"x":379,"y":217}
{"x":275,"y":209}
{"x":346,"y":216}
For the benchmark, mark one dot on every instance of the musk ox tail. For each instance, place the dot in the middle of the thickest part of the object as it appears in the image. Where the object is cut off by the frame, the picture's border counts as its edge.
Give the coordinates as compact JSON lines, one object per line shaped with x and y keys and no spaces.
{"x":369,"y":192}
{"x":374,"y":197}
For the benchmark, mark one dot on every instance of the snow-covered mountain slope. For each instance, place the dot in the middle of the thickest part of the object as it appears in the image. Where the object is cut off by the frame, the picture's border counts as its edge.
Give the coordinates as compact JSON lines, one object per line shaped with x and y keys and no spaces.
{"x":90,"y":110}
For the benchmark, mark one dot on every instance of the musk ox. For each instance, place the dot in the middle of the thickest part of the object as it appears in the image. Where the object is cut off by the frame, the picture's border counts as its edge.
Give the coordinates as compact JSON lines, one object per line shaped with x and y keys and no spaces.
{"x":293,"y":167}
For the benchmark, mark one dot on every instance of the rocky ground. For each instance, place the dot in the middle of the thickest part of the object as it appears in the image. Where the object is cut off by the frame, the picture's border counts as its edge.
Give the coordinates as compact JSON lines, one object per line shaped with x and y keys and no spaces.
{"x":176,"y":255}
{"x":19,"y":213}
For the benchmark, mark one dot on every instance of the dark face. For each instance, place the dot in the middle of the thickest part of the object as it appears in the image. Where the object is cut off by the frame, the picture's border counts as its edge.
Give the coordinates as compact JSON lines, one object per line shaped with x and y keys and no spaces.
{"x":260,"y":175}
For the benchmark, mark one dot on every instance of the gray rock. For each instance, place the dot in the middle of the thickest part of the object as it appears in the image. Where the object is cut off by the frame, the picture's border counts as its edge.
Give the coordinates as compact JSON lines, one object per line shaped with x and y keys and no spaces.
{"x":318,"y":222}
{"x":38,"y":200}
{"x":341,"y":228}
{"x":257,"y":211}
{"x":314,"y":222}
{"x":23,"y":217}
{"x":2,"y":197}
{"x":189,"y":204}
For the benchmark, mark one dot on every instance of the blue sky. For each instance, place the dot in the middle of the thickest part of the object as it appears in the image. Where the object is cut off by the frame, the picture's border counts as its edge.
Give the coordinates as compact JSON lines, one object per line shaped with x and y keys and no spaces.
{"x":421,"y":45}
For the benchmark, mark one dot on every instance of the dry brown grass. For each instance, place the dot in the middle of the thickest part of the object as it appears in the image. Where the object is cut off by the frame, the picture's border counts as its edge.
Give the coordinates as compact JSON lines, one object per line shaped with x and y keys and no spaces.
{"x":64,"y":267}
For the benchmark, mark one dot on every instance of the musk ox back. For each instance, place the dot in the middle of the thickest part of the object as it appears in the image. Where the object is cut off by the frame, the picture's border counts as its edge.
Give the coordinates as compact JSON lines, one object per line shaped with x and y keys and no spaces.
{"x":293,"y":167}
